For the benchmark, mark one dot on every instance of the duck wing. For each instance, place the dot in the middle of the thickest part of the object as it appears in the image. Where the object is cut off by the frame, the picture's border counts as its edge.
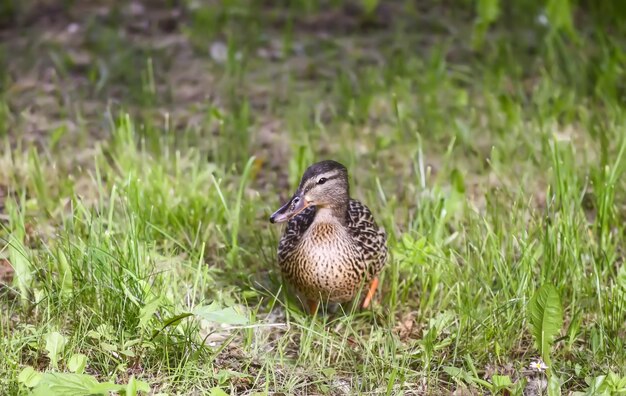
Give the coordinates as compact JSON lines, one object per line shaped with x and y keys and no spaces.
{"x":370,"y":238}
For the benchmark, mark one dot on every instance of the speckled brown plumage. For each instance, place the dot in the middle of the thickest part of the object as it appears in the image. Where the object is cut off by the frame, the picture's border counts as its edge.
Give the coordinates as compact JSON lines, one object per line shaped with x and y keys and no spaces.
{"x":328,"y":251}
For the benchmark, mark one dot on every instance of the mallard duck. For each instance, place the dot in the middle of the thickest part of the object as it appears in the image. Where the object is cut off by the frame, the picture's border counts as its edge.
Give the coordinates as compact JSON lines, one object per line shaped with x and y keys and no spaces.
{"x":331,"y":245}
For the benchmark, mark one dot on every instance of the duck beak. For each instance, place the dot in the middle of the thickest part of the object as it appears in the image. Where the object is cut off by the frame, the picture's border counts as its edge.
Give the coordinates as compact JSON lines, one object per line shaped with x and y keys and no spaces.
{"x":290,"y":209}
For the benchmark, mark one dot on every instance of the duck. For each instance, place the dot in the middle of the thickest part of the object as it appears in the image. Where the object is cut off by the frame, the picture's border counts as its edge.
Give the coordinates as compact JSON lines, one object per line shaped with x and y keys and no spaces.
{"x":331,"y":246}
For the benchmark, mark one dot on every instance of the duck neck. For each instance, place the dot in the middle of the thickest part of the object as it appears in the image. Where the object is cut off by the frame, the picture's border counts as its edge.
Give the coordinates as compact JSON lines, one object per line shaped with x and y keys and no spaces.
{"x":332,"y":214}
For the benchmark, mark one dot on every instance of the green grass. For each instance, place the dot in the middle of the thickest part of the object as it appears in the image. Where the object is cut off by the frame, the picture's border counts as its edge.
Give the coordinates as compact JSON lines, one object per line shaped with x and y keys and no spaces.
{"x":139,"y":230}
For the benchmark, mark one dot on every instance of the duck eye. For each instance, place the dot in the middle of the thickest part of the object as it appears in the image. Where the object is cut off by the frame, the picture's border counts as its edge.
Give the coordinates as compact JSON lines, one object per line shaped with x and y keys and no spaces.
{"x":322,"y":180}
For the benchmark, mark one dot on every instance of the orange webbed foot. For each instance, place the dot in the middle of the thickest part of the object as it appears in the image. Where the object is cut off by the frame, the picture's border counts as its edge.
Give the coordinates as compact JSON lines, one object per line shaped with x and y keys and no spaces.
{"x":313,"y":305}
{"x":370,"y":293}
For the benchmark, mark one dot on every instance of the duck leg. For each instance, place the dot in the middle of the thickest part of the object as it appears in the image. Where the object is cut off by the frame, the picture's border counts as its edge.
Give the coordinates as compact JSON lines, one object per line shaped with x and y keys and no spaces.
{"x":313,"y":305}
{"x":370,"y":293}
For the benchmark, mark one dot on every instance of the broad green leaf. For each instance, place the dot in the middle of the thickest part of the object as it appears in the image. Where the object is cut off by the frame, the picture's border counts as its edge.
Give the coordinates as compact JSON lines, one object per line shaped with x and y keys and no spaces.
{"x":134,"y":386}
{"x":545,"y":317}
{"x":29,"y":377}
{"x":329,"y":372}
{"x":106,"y":388}
{"x":554,"y":386}
{"x":455,"y":372}
{"x":615,"y":384}
{"x":214,"y":313}
{"x":108,"y":347}
{"x":68,"y":384}
{"x":77,"y":363}
{"x":595,"y":384}
{"x":217,"y":392}
{"x":55,"y":343}
{"x":501,"y":381}
{"x":132,"y":343}
{"x":127,"y":352}
{"x":148,"y":310}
